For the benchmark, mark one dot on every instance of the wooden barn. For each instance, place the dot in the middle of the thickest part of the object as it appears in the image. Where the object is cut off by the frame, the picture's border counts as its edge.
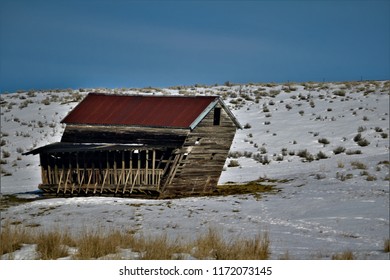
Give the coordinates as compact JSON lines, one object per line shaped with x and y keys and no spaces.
{"x":129,"y":144}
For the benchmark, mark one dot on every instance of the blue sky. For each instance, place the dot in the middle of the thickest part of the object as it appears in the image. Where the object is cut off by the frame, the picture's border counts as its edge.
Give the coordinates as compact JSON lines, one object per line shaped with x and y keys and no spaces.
{"x":46,"y":44}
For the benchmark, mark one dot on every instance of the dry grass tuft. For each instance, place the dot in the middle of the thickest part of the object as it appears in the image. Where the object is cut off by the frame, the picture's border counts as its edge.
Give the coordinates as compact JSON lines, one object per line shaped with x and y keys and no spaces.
{"x":212,"y":245}
{"x":94,"y":245}
{"x":386,"y":245}
{"x":50,"y":245}
{"x":346,"y":255}
{"x":12,"y":238}
{"x":160,"y":248}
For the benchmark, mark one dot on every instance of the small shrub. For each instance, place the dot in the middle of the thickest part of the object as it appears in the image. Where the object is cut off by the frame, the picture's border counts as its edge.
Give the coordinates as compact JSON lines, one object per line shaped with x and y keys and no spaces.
{"x":46,"y":101}
{"x":19,"y":150}
{"x":361,"y":129}
{"x":365,"y":118}
{"x":320,"y":176}
{"x":323,"y":141}
{"x":357,"y":137}
{"x":247,"y":126}
{"x":339,"y":92}
{"x":301,"y":112}
{"x":378,"y":129}
{"x":263,"y":150}
{"x":279,"y":158}
{"x":321,"y":155}
{"x":358,"y":165}
{"x":343,"y":177}
{"x":363,"y":142}
{"x":261,"y":159}
{"x":353,"y":152}
{"x":3,"y":142}
{"x":305,"y":155}
{"x":384,"y":135}
{"x":233,"y":163}
{"x":6,"y":154}
{"x":371,"y":178}
{"x":339,"y":150}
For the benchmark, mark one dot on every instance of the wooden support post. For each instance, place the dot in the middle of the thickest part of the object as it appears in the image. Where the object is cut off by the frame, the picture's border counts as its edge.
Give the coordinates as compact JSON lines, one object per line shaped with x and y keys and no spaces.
{"x":108,"y":168}
{"x":44,"y":176}
{"x":139,"y":166}
{"x":81,"y":182}
{"x":93,"y":171}
{"x":59,"y":183}
{"x":131,"y":165}
{"x":55,"y":172}
{"x":146,"y":179}
{"x":123,"y":167}
{"x":104,"y":180}
{"x":153,"y":166}
{"x":135,"y":178}
{"x":77,"y":168}
{"x":66,"y":181}
{"x":89,"y":181}
{"x":115,"y":173}
{"x":49,"y":180}
{"x":175,"y":167}
{"x":127,"y":179}
{"x":119,"y":181}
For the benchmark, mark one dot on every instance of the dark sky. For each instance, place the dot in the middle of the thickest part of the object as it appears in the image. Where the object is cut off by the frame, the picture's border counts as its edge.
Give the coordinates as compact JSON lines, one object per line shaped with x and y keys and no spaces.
{"x":46,"y":44}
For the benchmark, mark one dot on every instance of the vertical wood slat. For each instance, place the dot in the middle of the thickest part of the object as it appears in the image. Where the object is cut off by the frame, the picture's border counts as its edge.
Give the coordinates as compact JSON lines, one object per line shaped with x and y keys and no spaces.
{"x":153,"y":166}
{"x":59,"y":182}
{"x":146,"y":177}
{"x":66,"y":181}
{"x":123,"y":167}
{"x":56,"y":173}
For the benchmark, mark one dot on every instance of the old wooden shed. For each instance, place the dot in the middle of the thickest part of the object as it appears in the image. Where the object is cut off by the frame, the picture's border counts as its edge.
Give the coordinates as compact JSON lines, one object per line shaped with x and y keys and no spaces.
{"x":128,"y":144}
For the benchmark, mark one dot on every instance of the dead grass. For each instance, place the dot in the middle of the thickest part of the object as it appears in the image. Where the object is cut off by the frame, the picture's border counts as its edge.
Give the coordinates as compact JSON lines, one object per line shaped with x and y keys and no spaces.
{"x":50,"y":245}
{"x":386,"y":245}
{"x":55,"y":244}
{"x":12,"y":237}
{"x":7,"y":201}
{"x":256,"y":188}
{"x":160,"y":248}
{"x":94,"y":245}
{"x":346,"y":255}
{"x":212,"y":245}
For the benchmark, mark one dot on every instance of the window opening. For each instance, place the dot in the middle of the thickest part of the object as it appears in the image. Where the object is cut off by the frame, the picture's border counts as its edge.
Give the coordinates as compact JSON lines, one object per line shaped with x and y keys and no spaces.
{"x":217,"y":116}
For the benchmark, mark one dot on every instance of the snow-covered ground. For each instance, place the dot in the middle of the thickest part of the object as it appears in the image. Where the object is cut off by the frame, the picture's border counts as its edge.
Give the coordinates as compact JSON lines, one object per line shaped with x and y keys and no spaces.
{"x":331,"y":202}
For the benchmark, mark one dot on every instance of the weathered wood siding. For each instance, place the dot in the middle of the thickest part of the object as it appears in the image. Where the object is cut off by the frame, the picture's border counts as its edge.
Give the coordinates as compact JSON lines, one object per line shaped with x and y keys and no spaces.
{"x":165,"y":137}
{"x":207,"y":147}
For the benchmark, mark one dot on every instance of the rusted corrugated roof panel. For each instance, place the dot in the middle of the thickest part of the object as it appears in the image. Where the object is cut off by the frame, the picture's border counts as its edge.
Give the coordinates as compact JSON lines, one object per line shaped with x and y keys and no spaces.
{"x":138,"y":110}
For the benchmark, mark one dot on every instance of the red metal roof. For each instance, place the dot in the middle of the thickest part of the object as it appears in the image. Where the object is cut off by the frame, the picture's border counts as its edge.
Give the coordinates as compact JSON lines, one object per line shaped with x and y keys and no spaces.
{"x":138,"y":110}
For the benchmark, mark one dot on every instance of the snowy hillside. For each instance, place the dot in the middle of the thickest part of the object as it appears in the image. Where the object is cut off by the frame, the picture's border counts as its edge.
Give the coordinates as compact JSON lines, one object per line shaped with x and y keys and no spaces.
{"x":327,"y":144}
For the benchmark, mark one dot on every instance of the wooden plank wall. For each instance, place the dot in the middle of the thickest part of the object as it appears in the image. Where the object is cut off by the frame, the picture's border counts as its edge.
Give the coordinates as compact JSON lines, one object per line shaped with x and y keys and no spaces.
{"x":164,"y":137}
{"x":207,"y":146}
